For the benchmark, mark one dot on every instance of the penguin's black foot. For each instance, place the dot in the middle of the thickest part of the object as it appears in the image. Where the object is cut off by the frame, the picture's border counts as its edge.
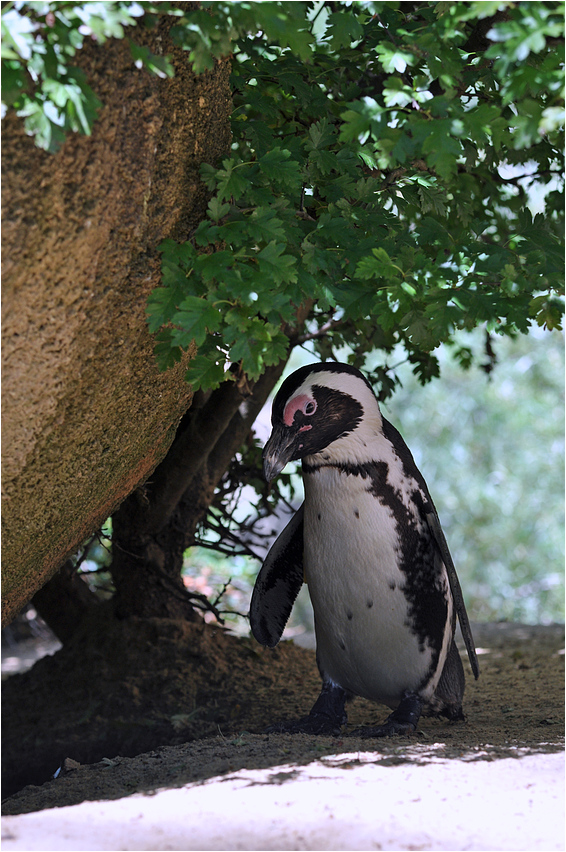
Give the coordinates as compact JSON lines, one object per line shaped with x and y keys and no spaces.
{"x":403,"y":720}
{"x":327,"y":716}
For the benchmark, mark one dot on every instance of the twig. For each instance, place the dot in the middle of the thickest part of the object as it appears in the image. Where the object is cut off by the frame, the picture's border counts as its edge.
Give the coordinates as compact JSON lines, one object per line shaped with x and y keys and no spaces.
{"x":321,"y":332}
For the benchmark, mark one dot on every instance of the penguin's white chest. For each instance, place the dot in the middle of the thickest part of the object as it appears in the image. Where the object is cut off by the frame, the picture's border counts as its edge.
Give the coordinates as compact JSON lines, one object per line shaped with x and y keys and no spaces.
{"x":365,"y":641}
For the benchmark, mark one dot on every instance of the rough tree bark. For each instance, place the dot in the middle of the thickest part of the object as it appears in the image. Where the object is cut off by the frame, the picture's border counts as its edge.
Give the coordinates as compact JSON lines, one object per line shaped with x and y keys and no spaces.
{"x":86,"y":414}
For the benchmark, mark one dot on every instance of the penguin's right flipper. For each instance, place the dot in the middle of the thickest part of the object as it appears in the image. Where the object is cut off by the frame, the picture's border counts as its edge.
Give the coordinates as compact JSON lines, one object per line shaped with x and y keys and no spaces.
{"x":278,"y":583}
{"x":436,"y":529}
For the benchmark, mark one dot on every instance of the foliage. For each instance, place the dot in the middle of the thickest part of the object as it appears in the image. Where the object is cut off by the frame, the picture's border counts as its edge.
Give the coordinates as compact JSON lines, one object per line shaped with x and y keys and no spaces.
{"x":382,"y":160}
{"x":380,"y":169}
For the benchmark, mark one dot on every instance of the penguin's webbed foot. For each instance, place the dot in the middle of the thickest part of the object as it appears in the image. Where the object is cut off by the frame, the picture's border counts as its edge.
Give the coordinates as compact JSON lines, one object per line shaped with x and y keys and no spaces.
{"x":403,"y":720}
{"x":327,"y":716}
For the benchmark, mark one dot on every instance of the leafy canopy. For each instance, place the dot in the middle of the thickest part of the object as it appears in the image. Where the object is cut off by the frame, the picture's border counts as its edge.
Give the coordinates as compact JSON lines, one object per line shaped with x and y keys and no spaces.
{"x":384,"y":156}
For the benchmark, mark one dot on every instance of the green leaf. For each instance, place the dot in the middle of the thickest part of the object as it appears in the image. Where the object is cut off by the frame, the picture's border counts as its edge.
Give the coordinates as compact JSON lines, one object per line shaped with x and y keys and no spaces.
{"x":279,"y":167}
{"x":393,"y":59}
{"x":217,"y":266}
{"x":378,"y":265}
{"x":548,"y":312}
{"x":217,"y":210}
{"x":48,"y":135}
{"x":440,"y":148}
{"x":360,"y":119}
{"x":397,"y":93}
{"x":205,"y":373}
{"x":320,"y":135}
{"x":181,"y":254}
{"x":195,"y":319}
{"x":432,"y":199}
{"x":166,"y":355}
{"x":14,"y":83}
{"x":343,"y":28}
{"x":266,"y":226}
{"x":162,"y":304}
{"x":231,"y":183}
{"x":276,"y":266}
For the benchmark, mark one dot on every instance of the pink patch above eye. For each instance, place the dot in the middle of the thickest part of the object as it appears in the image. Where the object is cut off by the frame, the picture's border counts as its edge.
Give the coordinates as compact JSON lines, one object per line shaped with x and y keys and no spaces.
{"x":299,"y":403}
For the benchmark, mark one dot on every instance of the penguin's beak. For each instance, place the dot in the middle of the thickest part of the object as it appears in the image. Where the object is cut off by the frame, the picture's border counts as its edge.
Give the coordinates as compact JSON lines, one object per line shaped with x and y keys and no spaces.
{"x":279,"y":450}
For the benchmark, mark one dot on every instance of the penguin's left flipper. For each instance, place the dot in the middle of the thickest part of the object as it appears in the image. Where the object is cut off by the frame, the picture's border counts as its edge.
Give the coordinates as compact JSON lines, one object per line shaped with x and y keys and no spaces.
{"x":327,"y":716}
{"x":403,"y":720}
{"x":278,"y":583}
{"x":436,"y":530}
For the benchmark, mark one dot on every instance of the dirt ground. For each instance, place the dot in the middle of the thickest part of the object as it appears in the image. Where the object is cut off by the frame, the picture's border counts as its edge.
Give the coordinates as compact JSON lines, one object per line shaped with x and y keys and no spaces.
{"x":158,"y":704}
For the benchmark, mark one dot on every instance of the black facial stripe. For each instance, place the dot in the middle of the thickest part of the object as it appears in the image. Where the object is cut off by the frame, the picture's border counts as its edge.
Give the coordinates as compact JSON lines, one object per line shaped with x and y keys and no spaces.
{"x":337,"y":414}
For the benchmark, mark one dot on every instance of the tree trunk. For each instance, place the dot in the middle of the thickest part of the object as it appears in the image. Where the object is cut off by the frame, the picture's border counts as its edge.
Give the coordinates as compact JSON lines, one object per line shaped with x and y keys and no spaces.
{"x":155,"y":525}
{"x":86,"y":414}
{"x":64,"y":601}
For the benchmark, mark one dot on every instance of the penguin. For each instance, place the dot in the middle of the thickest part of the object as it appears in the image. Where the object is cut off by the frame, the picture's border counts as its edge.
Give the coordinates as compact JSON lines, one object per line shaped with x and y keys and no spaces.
{"x":368,"y":542}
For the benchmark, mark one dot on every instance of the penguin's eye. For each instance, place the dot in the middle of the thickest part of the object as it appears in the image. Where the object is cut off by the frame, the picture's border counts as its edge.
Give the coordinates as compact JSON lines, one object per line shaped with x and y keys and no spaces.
{"x":303,"y":404}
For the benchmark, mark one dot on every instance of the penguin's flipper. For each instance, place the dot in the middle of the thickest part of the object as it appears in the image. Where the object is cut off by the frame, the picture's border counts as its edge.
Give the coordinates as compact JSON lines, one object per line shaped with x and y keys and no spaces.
{"x":436,"y":530}
{"x":278,"y":583}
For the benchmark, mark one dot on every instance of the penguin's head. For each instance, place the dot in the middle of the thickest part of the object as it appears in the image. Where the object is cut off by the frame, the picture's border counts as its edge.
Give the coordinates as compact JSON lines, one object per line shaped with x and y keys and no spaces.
{"x":316,"y":407}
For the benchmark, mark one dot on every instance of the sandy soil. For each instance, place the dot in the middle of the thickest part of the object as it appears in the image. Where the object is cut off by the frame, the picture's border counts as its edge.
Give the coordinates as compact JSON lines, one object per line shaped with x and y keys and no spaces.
{"x":161,"y":704}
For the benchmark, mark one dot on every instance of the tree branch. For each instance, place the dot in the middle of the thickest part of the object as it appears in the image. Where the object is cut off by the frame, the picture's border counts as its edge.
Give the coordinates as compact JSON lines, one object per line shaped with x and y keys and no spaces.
{"x":189,"y":451}
{"x":321,"y":332}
